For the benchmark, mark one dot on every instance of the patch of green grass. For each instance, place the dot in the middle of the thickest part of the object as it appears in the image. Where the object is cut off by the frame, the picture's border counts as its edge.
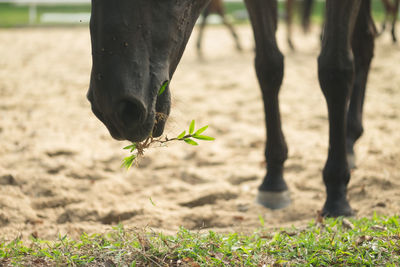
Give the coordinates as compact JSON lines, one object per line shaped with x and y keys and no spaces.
{"x":14,"y":15}
{"x":363,"y":242}
{"x":11,"y":15}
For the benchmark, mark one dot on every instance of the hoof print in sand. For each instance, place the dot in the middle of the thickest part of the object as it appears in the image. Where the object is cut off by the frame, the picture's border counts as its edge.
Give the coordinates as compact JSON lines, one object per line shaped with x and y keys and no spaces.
{"x":53,"y":202}
{"x":74,"y":215}
{"x":60,"y":152}
{"x":55,"y":170}
{"x":209,"y":199}
{"x":81,"y":215}
{"x":296,"y":168}
{"x":191,"y":178}
{"x":87,"y":175}
{"x":8,"y":179}
{"x":234,"y":180}
{"x":114,"y":217}
{"x":3,"y":219}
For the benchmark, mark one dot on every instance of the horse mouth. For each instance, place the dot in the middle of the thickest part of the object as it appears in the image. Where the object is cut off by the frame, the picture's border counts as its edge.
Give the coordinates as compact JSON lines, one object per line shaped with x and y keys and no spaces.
{"x":122,"y":127}
{"x":159,"y":125}
{"x":136,"y":134}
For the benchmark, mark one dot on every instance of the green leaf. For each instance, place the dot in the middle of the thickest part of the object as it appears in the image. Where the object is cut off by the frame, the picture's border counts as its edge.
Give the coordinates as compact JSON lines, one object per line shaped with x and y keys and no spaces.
{"x":163,"y":87}
{"x":204,"y":137}
{"x":191,"y":127}
{"x":181,"y":135}
{"x":128,"y":161}
{"x":190,"y":142}
{"x":199,"y":131}
{"x":133,"y":146}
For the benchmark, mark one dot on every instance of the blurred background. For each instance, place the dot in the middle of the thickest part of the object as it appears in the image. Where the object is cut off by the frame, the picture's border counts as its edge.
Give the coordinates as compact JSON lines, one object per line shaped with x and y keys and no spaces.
{"x":19,"y":13}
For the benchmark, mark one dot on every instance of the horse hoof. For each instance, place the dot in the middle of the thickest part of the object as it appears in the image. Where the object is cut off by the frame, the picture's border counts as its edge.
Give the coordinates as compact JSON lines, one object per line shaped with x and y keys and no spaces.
{"x":346,"y":212}
{"x":337,"y":209}
{"x":274,"y":200}
{"x":351,"y":161}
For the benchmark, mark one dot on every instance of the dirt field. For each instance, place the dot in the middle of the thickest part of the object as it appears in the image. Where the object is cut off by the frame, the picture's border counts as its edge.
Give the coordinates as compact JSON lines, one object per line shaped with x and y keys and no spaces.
{"x":60,"y":170}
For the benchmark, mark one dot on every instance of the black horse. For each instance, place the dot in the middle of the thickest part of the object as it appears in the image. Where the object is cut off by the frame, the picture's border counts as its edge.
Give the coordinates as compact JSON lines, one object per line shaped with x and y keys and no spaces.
{"x":137,"y":45}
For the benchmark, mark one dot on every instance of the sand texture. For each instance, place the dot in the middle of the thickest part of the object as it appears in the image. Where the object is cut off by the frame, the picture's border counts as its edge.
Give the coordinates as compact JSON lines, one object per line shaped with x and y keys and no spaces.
{"x":60,"y":170}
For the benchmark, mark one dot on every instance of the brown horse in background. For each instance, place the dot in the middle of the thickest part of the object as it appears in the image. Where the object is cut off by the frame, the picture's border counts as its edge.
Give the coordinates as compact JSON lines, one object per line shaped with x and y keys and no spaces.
{"x":306,"y":10}
{"x":216,"y":7}
{"x":391,"y":11}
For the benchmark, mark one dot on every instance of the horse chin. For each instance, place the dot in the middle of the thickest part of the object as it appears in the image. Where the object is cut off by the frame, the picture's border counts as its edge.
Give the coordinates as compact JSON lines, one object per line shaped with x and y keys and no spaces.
{"x":114,"y":132}
{"x":154,"y":129}
{"x":137,"y":135}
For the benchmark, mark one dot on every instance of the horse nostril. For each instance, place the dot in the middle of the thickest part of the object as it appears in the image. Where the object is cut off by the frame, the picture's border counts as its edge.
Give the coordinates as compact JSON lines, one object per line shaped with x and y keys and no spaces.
{"x":131,"y":112}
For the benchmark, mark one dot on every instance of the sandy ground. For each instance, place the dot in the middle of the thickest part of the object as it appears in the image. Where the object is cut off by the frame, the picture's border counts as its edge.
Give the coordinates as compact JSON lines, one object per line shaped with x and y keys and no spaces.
{"x":60,"y":170}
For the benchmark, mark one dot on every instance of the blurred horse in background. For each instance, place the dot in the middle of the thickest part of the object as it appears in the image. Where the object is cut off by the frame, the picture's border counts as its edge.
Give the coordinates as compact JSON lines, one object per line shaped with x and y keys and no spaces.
{"x":391,"y":12}
{"x":216,"y":7}
{"x":306,"y":10}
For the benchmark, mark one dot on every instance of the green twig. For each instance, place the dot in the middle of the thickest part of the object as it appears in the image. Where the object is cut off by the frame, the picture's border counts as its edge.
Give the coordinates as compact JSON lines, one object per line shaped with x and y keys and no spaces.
{"x":137,"y":149}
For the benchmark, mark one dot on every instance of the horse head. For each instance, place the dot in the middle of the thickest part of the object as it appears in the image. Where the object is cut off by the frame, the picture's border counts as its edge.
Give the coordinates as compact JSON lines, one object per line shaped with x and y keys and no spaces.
{"x":136,"y":47}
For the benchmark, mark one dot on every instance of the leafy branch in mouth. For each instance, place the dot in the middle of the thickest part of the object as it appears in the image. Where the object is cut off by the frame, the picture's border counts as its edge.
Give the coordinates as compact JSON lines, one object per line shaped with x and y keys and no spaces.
{"x":137,"y":148}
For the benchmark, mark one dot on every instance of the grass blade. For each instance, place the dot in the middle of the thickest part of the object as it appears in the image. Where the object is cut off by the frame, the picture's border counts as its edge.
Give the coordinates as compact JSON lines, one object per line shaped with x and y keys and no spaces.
{"x":163,"y":87}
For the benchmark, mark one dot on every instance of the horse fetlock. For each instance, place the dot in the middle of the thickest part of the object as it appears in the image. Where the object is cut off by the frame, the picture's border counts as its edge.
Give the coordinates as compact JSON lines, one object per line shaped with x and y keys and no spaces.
{"x":273,"y":180}
{"x":354,"y":128}
{"x":351,"y":160}
{"x":336,"y":176}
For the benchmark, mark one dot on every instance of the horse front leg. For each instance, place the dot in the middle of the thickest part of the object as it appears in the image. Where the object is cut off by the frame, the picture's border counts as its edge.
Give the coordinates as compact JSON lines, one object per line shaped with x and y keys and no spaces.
{"x":394,"y":19}
{"x":273,"y":192}
{"x":232,"y":31}
{"x":289,"y":22}
{"x":363,"y":49}
{"x":203,"y":24}
{"x":383,"y":23}
{"x":336,"y":76}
